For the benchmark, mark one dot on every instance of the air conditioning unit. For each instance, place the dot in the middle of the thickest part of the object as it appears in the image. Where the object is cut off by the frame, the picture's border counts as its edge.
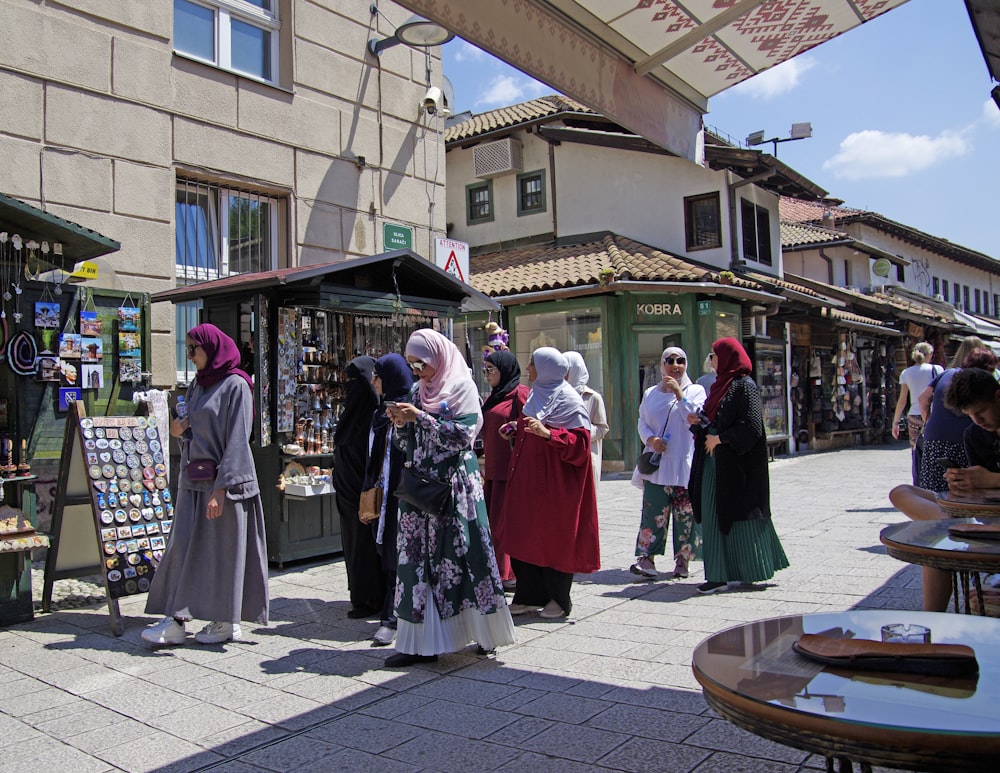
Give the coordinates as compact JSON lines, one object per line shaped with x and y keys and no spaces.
{"x":495,"y":159}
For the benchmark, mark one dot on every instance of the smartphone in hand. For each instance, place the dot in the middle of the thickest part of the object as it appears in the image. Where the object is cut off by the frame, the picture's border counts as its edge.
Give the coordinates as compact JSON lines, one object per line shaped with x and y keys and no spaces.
{"x":946,"y":463}
{"x":389,"y":404}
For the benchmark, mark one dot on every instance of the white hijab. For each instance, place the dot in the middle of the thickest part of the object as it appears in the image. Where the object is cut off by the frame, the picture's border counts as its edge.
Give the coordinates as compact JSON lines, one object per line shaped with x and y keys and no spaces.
{"x":578,"y":375}
{"x":552,"y":400}
{"x":674,"y":351}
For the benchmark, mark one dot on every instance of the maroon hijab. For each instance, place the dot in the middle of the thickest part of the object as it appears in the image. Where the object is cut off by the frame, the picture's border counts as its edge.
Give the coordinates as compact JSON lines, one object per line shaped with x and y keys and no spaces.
{"x":731,"y":362}
{"x":222,"y":352}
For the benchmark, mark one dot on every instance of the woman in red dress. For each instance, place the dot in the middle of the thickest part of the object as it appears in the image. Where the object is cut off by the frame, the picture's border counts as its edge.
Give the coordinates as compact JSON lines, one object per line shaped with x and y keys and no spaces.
{"x":549,"y":521}
{"x":504,"y":404}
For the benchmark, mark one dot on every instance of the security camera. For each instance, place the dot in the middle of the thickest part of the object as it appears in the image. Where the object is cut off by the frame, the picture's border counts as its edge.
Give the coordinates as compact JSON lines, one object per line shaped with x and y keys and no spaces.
{"x":434,"y":102}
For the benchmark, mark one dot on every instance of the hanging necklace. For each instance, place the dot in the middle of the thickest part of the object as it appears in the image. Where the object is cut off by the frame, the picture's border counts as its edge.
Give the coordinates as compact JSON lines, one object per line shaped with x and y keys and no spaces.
{"x":16,"y":239}
{"x":4,"y":273}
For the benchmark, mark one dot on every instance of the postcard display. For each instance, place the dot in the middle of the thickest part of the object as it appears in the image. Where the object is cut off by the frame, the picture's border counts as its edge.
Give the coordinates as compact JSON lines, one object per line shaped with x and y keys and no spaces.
{"x":114,"y":476}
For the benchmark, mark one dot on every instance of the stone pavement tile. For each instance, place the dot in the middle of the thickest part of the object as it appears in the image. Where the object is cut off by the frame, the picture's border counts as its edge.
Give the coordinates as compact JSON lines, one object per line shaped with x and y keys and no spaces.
{"x":403,"y":679}
{"x":533,"y":762}
{"x":15,"y":731}
{"x":88,"y":677}
{"x":240,"y":739}
{"x":617,"y":668}
{"x":234,"y":694}
{"x":493,"y":670}
{"x":19,"y":684}
{"x":41,"y":698}
{"x":49,"y":754}
{"x":291,"y":753}
{"x":638,"y":755}
{"x":675,"y":676}
{"x":736,"y":763}
{"x":354,"y":761}
{"x":137,"y":700}
{"x":570,"y":642}
{"x":575,"y":742}
{"x":643,"y":721}
{"x":441,"y":751}
{"x":721,"y":735}
{"x":395,"y":705}
{"x":185,"y":678}
{"x":667,"y":698}
{"x":341,"y":692}
{"x":367,"y":734}
{"x":160,"y":752}
{"x":466,"y":691}
{"x":122,"y":730}
{"x":626,"y":632}
{"x":563,"y":708}
{"x":197,"y":722}
{"x":447,"y":716}
{"x":653,"y":653}
{"x":72,"y":719}
{"x":290,"y":712}
{"x":538,"y":657}
{"x":519,"y":731}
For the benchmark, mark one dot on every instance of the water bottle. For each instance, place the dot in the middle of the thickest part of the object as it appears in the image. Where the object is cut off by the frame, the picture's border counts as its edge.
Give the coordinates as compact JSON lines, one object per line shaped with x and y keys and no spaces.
{"x":445,"y":412}
{"x":181,"y":410}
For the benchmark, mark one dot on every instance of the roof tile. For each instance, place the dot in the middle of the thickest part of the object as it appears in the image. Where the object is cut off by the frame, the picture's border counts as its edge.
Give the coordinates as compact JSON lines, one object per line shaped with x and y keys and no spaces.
{"x":513,"y":115}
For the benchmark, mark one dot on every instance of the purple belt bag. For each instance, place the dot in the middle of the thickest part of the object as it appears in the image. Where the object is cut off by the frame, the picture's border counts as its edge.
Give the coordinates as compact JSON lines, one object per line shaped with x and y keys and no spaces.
{"x":201,"y":469}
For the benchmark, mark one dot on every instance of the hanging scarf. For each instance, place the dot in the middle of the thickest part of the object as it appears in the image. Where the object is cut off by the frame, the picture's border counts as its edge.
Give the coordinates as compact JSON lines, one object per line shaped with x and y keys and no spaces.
{"x":731,"y":362}
{"x":510,"y":377}
{"x":360,"y":401}
{"x":451,"y":383}
{"x":223,"y":355}
{"x":552,"y":400}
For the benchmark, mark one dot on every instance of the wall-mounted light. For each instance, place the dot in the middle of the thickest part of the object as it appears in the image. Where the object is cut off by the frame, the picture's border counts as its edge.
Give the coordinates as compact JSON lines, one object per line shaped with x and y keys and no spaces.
{"x":416,"y":31}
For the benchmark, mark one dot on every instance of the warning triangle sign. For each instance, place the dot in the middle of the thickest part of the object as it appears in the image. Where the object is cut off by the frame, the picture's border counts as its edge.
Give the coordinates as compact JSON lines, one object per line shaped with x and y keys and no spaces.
{"x":452,"y":266}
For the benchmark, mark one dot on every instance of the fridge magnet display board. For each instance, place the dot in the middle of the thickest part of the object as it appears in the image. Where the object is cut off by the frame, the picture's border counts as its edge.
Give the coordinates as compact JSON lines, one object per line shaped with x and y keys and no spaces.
{"x":113,"y":511}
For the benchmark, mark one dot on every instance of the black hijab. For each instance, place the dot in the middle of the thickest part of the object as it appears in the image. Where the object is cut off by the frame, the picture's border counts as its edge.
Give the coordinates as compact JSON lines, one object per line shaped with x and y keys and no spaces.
{"x":397,"y":380}
{"x":360,"y":402}
{"x":510,"y":377}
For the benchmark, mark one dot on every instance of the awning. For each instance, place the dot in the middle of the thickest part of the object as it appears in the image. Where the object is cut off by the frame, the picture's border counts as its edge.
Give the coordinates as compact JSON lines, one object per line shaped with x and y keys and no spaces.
{"x":415,"y":276}
{"x":982,"y":327}
{"x":650,"y":66}
{"x":78,"y":243}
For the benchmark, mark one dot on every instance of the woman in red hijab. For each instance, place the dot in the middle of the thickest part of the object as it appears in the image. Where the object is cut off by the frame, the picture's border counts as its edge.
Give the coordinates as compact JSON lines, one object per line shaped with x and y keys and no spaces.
{"x":730,"y":486}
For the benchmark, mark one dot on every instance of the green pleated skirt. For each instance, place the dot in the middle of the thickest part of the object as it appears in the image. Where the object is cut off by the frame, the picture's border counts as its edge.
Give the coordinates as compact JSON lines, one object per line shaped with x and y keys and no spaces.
{"x":751,"y":552}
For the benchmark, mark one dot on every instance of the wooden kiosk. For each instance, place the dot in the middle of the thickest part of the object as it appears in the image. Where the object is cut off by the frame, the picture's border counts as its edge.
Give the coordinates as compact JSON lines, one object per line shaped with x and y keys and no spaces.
{"x":303,"y":326}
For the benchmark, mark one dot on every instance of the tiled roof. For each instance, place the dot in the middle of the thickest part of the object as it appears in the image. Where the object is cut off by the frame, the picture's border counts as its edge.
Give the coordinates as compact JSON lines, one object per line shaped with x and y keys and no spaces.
{"x":798,"y":211}
{"x":512,"y":115}
{"x":785,"y":284}
{"x":551,"y":266}
{"x":857,"y":319}
{"x":798,"y":235}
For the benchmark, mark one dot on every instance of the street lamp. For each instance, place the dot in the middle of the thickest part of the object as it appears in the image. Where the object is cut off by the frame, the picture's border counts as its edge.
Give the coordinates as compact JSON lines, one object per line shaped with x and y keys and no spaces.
{"x":415,"y":31}
{"x":800,"y":131}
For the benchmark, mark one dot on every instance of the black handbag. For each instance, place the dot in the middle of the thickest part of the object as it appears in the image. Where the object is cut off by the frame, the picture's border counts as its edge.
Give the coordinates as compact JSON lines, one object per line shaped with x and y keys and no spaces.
{"x":420,"y":490}
{"x":649,"y":462}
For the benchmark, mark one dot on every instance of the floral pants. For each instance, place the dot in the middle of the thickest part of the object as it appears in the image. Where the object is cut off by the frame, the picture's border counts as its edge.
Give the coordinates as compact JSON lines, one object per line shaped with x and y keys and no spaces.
{"x":660,"y":506}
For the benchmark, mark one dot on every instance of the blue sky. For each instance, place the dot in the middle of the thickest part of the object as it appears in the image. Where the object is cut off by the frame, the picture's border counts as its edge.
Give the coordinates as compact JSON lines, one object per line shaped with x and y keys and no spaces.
{"x":903,"y":123}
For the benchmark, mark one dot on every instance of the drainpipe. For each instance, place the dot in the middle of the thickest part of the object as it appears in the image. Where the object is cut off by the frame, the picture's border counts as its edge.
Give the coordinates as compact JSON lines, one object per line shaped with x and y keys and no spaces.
{"x":735,"y":261}
{"x":552,"y":186}
{"x":829,"y":266}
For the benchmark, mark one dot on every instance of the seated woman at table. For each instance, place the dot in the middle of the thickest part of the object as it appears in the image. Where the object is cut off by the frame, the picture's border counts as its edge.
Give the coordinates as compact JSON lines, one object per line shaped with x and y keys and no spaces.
{"x":975,"y":393}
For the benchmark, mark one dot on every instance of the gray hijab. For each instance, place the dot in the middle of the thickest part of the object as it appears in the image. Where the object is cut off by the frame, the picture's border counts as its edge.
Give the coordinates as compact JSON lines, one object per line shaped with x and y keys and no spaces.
{"x":552,"y":400}
{"x":578,"y":375}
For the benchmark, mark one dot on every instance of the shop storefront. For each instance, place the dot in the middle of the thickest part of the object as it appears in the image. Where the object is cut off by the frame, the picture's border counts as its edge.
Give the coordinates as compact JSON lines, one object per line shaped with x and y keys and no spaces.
{"x":304,"y":325}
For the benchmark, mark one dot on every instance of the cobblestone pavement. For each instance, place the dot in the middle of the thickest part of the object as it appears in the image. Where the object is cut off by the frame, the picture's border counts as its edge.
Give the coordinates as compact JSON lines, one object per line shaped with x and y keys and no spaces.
{"x":609,"y":689}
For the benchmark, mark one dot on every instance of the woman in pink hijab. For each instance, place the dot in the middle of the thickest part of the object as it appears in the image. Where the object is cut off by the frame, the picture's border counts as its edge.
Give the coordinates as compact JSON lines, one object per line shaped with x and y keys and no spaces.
{"x":448,"y":589}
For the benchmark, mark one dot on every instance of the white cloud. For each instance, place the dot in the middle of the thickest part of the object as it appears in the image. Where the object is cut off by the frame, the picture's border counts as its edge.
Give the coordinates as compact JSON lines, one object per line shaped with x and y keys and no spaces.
{"x":508,"y":90}
{"x":469,"y":53}
{"x":873,"y":154}
{"x":991,"y":114}
{"x":778,"y":80}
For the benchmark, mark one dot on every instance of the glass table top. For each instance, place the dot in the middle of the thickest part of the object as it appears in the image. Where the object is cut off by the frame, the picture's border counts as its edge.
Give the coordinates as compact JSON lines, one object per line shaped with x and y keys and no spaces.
{"x":933,"y":535}
{"x":756,"y":661}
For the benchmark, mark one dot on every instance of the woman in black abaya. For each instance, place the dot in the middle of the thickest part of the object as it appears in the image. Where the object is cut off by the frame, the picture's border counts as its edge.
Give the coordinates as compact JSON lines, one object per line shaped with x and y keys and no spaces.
{"x":364,"y":571}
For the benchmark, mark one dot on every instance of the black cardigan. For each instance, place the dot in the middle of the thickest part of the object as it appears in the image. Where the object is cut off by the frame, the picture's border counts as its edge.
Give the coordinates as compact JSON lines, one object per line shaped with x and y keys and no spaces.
{"x":742,"y":483}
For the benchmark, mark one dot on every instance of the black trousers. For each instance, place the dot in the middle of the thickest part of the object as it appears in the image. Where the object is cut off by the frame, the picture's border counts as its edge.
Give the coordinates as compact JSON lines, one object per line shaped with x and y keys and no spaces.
{"x":538,"y":585}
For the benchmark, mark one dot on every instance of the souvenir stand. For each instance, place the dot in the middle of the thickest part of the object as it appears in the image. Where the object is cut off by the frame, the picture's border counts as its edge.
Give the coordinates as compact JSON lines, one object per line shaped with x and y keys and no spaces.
{"x":40,"y":254}
{"x":305,"y":325}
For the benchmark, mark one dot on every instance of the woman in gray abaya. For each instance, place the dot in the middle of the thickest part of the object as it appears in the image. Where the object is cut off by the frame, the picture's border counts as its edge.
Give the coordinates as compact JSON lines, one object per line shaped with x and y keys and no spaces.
{"x":215,"y":564}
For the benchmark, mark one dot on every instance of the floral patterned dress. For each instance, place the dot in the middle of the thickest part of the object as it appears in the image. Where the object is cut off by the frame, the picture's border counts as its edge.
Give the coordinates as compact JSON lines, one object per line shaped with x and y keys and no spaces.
{"x":448,"y":590}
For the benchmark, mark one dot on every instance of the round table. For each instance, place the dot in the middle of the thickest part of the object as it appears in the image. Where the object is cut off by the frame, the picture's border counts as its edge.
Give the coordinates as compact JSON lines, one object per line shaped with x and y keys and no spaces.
{"x":928,"y":543}
{"x":985,"y":502}
{"x":752,"y":677}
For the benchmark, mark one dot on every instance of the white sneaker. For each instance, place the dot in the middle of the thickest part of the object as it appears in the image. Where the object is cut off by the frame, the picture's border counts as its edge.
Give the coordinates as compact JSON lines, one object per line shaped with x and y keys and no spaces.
{"x":384,"y":636}
{"x":216,"y":633}
{"x":167,"y":631}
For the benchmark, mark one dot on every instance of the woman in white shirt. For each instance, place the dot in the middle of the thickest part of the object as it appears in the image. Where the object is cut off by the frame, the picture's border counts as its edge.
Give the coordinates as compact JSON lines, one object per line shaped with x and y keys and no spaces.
{"x":912,"y":383}
{"x":663,"y":428}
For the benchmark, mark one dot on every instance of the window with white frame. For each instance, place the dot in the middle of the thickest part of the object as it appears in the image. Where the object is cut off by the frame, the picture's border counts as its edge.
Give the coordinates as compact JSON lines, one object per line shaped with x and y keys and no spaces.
{"x":237,"y":35}
{"x":220,"y":231}
{"x":756,"y":232}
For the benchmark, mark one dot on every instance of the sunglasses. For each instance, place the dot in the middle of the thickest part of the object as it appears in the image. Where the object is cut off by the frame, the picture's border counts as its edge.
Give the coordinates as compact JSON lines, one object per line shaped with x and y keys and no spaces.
{"x":489,"y":369}
{"x":191,"y":348}
{"x":674,"y":360}
{"x":417,"y":365}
